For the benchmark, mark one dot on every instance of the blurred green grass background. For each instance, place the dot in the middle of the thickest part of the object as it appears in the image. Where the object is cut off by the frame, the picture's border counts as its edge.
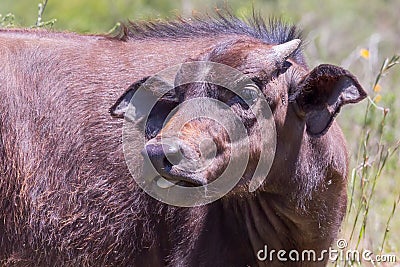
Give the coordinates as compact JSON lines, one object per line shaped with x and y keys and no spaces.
{"x":357,"y":35}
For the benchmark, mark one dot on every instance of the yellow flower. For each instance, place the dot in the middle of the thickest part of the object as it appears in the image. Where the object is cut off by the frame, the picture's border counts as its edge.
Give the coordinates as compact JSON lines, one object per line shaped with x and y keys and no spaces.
{"x":377,"y":98}
{"x":377,"y":88}
{"x":364,"y":53}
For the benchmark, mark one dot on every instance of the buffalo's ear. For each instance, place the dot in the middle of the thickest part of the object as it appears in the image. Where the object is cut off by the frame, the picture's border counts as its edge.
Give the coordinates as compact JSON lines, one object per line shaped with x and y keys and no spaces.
{"x":322,"y":94}
{"x":154,"y":101}
{"x":121,"y":106}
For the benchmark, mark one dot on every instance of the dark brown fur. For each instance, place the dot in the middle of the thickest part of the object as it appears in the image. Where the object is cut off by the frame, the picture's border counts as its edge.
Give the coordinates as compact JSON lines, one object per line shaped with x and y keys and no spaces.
{"x":66,"y":195}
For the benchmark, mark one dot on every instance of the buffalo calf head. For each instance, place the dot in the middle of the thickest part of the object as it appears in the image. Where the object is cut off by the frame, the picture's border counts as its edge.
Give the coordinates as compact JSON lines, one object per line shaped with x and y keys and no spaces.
{"x":195,"y":150}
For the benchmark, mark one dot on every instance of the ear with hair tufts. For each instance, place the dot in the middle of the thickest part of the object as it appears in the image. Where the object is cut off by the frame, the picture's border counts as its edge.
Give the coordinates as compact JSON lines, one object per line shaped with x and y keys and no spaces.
{"x":323,"y":92}
{"x":119,"y":109}
{"x":155,"y":100}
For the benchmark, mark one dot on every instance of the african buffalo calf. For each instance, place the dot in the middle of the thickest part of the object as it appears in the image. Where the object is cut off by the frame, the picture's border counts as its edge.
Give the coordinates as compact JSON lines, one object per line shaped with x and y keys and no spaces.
{"x":67,"y":196}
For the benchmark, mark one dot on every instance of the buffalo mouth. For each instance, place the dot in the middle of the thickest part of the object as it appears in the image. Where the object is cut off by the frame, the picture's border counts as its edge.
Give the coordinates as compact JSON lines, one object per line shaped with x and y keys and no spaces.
{"x":173,"y":163}
{"x":165,"y":181}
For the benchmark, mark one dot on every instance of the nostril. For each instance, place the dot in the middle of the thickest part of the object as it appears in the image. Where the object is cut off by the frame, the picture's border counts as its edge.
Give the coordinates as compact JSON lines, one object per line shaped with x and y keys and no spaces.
{"x":163,"y":156}
{"x":170,"y":150}
{"x":173,"y":154}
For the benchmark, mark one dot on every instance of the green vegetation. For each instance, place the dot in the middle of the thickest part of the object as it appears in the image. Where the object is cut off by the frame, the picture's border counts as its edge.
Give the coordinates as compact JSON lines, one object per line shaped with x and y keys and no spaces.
{"x":373,"y":190}
{"x":361,"y":36}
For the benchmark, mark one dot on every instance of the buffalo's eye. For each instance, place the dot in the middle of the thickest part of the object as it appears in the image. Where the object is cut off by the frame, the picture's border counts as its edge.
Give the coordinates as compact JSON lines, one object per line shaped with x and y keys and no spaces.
{"x":247,"y":95}
{"x":250,"y":93}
